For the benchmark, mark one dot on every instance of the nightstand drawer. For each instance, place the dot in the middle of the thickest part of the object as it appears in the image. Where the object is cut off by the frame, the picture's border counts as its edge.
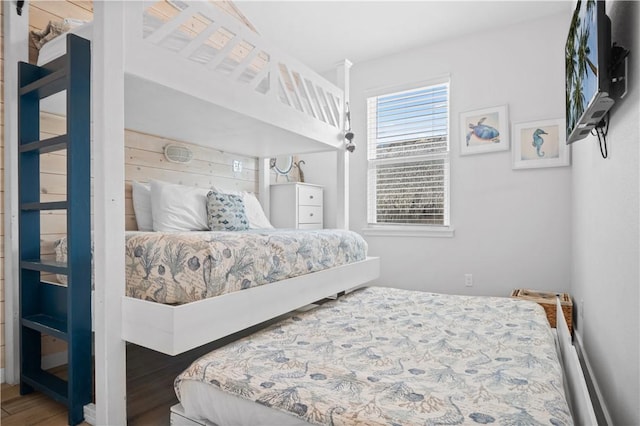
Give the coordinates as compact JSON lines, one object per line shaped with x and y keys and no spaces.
{"x":297,"y":205}
{"x":309,"y":214}
{"x":310,"y":226}
{"x":309,"y":196}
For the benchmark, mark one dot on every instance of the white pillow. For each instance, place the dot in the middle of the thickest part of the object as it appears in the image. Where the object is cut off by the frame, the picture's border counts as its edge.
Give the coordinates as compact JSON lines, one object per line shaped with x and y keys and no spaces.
{"x":252,"y":208}
{"x":178,"y":207}
{"x":141,"y":194}
{"x":255,"y":214}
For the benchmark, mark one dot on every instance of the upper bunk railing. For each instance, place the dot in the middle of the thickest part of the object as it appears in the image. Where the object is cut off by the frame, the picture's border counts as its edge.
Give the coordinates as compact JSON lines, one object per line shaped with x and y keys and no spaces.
{"x":213,"y":41}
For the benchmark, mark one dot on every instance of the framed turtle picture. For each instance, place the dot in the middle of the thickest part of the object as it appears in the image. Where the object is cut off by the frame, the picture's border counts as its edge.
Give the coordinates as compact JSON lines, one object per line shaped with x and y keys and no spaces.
{"x":484,"y":130}
{"x":540,"y":144}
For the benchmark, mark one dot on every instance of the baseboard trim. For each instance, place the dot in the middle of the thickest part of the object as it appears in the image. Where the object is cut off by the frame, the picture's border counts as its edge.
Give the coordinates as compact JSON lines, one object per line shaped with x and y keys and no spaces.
{"x":90,"y":413}
{"x":599,"y":405}
{"x":54,"y":360}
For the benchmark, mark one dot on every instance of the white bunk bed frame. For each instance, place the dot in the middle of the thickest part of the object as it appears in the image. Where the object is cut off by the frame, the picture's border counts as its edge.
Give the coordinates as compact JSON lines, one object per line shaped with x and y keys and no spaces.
{"x":138,"y":84}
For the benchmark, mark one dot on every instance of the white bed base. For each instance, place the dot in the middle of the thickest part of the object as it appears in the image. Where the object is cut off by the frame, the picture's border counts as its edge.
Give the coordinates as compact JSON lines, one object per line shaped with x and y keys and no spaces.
{"x":286,"y":108}
{"x":306,"y":115}
{"x":575,"y":384}
{"x":176,"y":329}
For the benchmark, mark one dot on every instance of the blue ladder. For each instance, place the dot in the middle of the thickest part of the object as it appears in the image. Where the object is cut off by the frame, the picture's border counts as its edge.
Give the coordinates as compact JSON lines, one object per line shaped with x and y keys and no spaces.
{"x":46,"y":308}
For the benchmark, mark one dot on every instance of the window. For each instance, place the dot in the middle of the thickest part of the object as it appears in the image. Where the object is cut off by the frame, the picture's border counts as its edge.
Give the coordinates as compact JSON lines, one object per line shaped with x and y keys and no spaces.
{"x":408,"y":152}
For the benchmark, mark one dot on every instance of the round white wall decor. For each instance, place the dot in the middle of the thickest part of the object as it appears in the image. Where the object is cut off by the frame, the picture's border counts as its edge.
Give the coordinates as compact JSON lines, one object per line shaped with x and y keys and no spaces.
{"x":178,"y":153}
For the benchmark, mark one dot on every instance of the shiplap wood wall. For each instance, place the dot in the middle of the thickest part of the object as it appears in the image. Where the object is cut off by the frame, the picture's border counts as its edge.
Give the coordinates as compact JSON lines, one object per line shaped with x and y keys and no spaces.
{"x":144,"y":160}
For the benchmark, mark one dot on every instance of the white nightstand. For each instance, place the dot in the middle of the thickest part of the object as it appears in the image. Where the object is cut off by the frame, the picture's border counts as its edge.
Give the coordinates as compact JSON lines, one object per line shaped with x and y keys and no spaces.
{"x":296,"y":205}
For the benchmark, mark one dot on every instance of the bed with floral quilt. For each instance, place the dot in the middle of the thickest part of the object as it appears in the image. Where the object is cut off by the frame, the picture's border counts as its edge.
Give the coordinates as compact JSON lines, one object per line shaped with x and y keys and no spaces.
{"x":382,"y":356}
{"x":183,"y":267}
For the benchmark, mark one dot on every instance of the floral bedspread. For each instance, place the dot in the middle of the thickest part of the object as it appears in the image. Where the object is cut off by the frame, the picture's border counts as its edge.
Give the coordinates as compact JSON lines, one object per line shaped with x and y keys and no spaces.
{"x":182,"y":267}
{"x":383,"y":356}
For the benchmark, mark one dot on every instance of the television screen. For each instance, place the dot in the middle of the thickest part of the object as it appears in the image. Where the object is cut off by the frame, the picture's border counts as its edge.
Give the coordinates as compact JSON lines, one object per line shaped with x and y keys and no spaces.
{"x":586,"y":56}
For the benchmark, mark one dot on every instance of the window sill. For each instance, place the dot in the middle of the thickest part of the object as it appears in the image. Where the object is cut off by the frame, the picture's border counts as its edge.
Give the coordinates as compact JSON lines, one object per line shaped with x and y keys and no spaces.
{"x":409,"y":231}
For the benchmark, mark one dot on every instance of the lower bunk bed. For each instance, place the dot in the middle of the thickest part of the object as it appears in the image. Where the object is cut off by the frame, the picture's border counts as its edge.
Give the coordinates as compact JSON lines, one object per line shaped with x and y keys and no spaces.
{"x":178,"y":282}
{"x":390,"y":357}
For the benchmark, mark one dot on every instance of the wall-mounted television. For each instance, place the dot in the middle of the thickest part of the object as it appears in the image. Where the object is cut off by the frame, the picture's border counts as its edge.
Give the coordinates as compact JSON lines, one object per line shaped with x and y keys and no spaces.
{"x":587,"y":59}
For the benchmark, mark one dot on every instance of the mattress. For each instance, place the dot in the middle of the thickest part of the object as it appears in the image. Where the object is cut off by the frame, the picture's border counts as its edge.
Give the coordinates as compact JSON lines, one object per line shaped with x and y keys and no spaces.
{"x":182,"y":267}
{"x":58,"y":46}
{"x":382,"y":356}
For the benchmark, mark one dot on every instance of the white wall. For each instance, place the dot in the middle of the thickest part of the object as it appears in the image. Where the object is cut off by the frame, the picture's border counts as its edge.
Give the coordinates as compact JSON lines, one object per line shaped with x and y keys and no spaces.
{"x":606,"y":239}
{"x":512,"y":227}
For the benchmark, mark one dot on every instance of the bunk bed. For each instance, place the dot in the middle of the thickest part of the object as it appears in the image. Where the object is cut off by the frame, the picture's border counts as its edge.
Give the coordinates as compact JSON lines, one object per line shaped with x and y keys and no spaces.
{"x":186,"y":71}
{"x":264,"y":102}
{"x":241,"y":95}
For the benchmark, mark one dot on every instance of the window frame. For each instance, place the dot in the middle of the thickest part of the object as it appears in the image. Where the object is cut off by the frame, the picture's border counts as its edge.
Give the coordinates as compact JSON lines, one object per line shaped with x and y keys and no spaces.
{"x":411,"y":230}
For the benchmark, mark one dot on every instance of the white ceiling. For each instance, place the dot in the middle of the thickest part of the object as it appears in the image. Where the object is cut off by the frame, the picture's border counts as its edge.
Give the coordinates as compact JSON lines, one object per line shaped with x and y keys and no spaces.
{"x":322,"y":33}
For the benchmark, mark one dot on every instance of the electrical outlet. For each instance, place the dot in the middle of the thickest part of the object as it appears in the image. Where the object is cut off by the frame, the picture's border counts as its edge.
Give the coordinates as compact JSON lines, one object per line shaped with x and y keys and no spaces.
{"x":237,"y":166}
{"x":468,"y":280}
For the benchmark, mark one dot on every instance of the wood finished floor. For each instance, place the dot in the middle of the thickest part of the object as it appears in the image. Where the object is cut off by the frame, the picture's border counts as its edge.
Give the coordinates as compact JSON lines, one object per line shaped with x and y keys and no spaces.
{"x":32,"y":409}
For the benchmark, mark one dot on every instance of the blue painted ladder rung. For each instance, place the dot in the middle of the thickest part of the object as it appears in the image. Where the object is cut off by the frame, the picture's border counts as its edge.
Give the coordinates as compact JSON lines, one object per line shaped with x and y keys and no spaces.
{"x":48,"y":384}
{"x":50,"y":266}
{"x":47,"y":85}
{"x":50,"y":205}
{"x":47,"y":324}
{"x":56,"y":143}
{"x":56,"y":64}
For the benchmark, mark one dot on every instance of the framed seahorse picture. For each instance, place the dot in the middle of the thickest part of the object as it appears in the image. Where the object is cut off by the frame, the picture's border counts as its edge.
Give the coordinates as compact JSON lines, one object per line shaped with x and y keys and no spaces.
{"x":484,"y":130}
{"x":538,"y":144}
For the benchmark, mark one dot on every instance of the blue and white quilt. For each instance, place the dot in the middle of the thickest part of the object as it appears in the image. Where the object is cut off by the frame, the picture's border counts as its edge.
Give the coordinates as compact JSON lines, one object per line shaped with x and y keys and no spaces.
{"x":382,"y":356}
{"x":184,"y":267}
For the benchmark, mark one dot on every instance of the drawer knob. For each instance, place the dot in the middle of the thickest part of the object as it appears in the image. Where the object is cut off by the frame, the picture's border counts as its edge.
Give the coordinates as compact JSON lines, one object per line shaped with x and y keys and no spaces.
{"x":311,"y":214}
{"x":311,"y":197}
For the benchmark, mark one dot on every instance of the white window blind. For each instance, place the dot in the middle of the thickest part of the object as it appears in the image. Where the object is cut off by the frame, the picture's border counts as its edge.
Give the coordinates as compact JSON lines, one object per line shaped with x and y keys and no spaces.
{"x":408,"y":152}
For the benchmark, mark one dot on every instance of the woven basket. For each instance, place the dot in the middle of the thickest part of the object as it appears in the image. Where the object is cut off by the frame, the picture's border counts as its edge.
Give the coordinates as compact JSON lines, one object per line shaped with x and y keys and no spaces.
{"x":548,"y":302}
